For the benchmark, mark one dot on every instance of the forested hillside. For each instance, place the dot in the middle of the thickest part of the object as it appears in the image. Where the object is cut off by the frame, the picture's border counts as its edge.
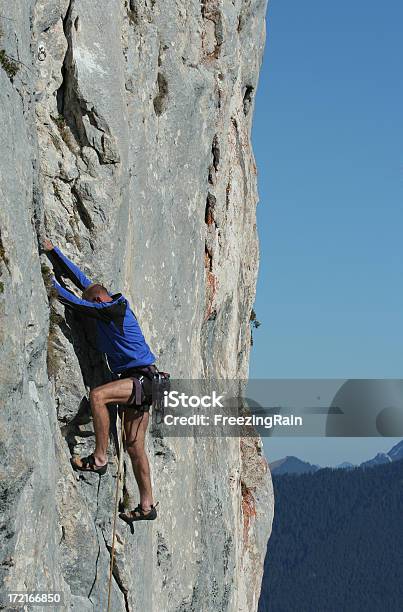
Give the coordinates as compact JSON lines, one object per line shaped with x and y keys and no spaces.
{"x":337,"y":542}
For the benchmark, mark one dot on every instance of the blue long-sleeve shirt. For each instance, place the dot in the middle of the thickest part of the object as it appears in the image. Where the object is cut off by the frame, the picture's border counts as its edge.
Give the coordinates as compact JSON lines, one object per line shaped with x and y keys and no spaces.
{"x":118,"y":333}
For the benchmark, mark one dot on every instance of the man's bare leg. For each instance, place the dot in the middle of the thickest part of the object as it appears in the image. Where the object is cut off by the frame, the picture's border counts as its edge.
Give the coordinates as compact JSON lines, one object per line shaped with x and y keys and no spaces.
{"x":136,"y":423}
{"x":116,"y":392}
{"x":101,"y":420}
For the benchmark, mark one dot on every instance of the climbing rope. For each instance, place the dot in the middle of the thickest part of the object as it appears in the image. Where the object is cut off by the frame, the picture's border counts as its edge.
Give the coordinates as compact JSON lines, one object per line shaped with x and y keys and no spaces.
{"x":122,"y":421}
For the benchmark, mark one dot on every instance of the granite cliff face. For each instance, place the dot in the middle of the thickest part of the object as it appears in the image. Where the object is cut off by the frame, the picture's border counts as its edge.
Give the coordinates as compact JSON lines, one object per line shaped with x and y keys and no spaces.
{"x":125,"y":138}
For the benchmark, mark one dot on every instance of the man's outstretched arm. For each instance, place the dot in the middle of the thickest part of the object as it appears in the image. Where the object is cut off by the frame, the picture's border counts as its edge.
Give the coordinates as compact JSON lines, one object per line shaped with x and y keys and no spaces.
{"x":96,"y":310}
{"x":66,"y":267}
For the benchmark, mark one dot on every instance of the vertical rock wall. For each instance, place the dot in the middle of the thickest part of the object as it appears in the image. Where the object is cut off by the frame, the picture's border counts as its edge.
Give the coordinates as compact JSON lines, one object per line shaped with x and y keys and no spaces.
{"x":126,"y":140}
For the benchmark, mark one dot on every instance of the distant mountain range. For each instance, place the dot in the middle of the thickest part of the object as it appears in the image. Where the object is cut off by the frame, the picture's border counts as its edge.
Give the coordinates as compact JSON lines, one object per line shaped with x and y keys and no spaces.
{"x":293,"y":465}
{"x":346,"y":465}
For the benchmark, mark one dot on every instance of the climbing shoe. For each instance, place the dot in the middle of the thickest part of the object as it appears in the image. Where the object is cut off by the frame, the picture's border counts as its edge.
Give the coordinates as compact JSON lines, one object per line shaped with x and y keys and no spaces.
{"x":87,"y":464}
{"x":138,"y":514}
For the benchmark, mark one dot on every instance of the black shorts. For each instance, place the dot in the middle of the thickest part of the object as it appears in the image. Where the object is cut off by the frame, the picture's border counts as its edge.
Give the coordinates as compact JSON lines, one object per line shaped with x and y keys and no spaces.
{"x":147,"y":386}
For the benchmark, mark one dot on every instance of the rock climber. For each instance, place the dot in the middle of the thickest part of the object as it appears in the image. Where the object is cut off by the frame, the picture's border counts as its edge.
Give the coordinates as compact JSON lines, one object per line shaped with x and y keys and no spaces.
{"x":119,"y":337}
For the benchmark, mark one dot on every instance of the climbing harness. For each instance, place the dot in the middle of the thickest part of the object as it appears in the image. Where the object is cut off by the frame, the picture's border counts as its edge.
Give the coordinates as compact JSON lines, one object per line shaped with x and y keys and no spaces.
{"x":161,"y":388}
{"x":149,"y":388}
{"x":122,"y":421}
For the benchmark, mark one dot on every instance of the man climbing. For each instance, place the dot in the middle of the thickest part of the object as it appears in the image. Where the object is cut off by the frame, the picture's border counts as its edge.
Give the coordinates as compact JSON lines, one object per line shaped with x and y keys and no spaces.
{"x":118,"y":336}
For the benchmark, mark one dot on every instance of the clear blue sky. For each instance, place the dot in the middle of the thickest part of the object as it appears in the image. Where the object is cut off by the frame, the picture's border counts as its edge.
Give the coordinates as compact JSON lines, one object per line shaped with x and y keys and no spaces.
{"x":328,"y":136}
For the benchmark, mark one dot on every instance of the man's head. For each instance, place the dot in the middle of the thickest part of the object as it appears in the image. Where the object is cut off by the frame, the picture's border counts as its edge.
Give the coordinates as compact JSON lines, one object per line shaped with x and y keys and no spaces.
{"x":96,"y":293}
